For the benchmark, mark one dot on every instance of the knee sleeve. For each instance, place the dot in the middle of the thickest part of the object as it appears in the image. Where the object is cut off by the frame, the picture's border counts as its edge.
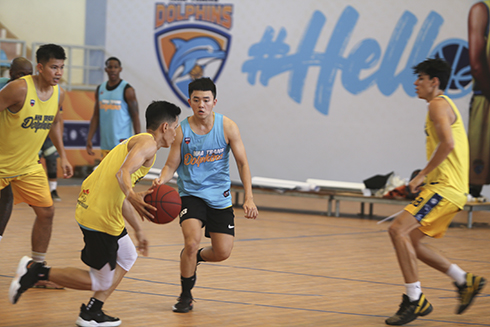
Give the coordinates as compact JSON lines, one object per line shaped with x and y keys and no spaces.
{"x":126,"y":254}
{"x":102,"y":279}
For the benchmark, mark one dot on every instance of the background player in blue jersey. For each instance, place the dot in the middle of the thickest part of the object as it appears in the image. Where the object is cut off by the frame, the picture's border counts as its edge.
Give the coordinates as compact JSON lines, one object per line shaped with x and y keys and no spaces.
{"x":115,"y":110}
{"x":200,"y":155}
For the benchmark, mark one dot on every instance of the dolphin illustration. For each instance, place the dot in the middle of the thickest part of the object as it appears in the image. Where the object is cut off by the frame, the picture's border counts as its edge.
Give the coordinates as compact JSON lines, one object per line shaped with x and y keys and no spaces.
{"x":189,"y":52}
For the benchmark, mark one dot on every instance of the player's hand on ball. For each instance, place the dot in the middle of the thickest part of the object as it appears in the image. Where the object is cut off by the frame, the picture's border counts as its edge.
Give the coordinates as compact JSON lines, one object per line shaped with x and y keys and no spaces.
{"x":142,"y":208}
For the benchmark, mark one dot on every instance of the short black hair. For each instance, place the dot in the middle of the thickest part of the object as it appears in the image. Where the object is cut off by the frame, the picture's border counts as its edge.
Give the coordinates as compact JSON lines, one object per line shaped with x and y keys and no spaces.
{"x":112,"y":58}
{"x":159,"y":112}
{"x":202,"y":84}
{"x":435,"y":68}
{"x":48,"y":51}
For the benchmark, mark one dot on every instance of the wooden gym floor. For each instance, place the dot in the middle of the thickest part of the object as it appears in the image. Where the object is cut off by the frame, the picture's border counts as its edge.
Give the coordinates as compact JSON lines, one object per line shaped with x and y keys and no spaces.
{"x":285,"y":270}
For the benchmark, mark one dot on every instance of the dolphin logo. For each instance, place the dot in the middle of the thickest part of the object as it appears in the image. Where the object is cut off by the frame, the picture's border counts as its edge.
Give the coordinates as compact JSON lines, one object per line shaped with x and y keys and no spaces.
{"x":188,"y":53}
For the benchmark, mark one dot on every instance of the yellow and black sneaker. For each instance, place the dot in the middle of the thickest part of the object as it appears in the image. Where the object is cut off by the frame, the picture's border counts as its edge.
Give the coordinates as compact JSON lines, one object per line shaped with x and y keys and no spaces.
{"x":468,"y":291}
{"x":409,"y":311}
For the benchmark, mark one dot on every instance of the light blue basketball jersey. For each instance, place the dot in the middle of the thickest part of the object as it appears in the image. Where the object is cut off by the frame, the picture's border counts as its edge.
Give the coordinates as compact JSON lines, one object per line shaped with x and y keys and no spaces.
{"x":204,"y":170}
{"x":115,"y":121}
{"x":3,"y":81}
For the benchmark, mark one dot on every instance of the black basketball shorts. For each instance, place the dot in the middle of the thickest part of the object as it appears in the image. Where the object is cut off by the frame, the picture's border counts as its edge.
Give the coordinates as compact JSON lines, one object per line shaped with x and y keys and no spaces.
{"x":214,"y":220}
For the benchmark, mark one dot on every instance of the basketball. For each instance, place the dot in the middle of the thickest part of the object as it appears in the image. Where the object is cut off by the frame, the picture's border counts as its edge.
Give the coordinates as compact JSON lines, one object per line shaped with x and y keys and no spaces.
{"x":168,"y":204}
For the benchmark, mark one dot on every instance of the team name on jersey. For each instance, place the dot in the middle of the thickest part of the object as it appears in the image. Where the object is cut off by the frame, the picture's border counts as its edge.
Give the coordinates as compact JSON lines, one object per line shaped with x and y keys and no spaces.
{"x":110,"y":104}
{"x":38,"y":122}
{"x":200,"y":156}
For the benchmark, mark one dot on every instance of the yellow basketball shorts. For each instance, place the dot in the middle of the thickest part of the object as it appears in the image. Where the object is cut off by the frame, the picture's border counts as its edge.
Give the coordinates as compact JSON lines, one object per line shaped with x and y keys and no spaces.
{"x":433,"y":212}
{"x":31,"y":188}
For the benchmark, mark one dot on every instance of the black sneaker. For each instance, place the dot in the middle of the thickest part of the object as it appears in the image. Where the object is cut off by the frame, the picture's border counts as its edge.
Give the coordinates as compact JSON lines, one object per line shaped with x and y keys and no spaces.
{"x":98,"y":318}
{"x":55,"y":196}
{"x":25,"y":277}
{"x":183,"y":305}
{"x":468,"y":291}
{"x":409,"y":311}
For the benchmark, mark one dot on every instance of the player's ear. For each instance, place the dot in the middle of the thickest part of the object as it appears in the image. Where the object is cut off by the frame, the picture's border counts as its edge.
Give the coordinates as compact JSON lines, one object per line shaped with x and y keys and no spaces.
{"x":164,"y":127}
{"x":39,"y":67}
{"x":436,"y":81}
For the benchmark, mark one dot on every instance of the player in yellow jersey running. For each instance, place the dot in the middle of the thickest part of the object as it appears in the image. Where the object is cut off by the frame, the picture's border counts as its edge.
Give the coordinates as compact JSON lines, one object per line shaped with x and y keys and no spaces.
{"x":29,"y":112}
{"x":106,"y":197}
{"x":443,"y":186}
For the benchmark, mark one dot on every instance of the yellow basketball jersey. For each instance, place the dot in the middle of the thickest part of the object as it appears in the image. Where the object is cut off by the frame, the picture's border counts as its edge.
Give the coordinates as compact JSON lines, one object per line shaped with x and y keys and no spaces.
{"x":100,"y":201}
{"x":450,"y":178}
{"x":23,"y":133}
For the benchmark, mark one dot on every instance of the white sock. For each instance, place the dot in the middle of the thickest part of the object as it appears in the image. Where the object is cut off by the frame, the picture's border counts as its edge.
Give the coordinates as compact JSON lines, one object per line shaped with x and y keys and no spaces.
{"x":38,"y":257}
{"x":52,"y":185}
{"x":413,"y":291}
{"x":456,"y":273}
{"x":1,"y":237}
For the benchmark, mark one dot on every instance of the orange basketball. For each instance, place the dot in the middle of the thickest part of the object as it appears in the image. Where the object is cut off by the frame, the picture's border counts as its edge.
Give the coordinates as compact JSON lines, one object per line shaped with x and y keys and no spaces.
{"x":168,"y":204}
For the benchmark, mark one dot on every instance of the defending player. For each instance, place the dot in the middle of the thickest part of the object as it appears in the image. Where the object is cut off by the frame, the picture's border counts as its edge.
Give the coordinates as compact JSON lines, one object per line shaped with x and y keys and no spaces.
{"x":106,"y":196}
{"x":444,"y":185}
{"x":200,"y":154}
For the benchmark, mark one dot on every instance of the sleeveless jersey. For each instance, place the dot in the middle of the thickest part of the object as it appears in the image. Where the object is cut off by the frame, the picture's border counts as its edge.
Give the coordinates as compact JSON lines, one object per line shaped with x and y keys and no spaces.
{"x":450,"y":178}
{"x":99,"y":205}
{"x":114,"y":119}
{"x":23,"y":133}
{"x":204,"y":170}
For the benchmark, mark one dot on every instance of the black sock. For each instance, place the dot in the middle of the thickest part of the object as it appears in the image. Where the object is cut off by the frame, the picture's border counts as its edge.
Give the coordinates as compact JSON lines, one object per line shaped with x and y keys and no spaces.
{"x":43,"y":273}
{"x":187,"y":284}
{"x":199,"y":258}
{"x":94,"y":305}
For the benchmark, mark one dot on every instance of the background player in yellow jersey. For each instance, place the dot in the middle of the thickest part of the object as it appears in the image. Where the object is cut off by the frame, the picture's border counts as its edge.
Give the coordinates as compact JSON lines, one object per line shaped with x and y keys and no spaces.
{"x":107,"y":195}
{"x":19,"y":67}
{"x":443,"y":186}
{"x":479,"y":123}
{"x":29,"y":112}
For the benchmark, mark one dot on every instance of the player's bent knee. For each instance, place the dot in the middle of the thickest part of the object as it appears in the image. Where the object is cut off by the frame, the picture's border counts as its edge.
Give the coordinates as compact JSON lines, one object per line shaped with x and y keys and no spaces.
{"x":101,"y":279}
{"x":222,"y":255}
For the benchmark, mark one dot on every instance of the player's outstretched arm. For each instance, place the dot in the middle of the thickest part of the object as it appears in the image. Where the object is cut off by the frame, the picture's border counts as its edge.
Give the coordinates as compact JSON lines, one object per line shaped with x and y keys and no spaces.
{"x":142,"y":149}
{"x":232,"y":134}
